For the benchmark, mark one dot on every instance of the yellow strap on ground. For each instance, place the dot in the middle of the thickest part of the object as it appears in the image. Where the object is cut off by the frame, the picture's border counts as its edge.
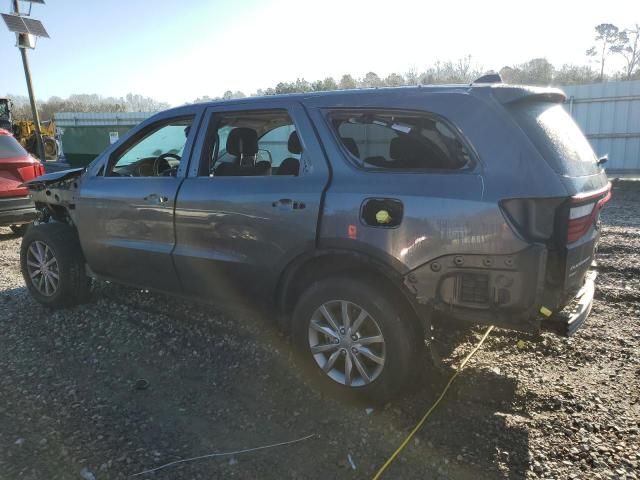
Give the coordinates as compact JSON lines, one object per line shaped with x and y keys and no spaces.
{"x":433,"y":407}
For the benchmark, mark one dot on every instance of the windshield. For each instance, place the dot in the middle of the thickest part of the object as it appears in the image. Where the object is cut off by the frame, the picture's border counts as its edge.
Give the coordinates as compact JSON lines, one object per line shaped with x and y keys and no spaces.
{"x":557,"y":137}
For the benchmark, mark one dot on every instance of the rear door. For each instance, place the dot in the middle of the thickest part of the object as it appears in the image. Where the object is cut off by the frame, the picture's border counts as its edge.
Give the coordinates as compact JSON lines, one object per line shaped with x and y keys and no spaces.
{"x":125,"y":211}
{"x":238,"y":224}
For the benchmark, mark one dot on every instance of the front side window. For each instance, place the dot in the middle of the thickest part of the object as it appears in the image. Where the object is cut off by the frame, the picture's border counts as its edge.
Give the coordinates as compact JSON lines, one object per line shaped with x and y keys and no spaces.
{"x":399,"y":141}
{"x":158,"y":153}
{"x":254,"y":143}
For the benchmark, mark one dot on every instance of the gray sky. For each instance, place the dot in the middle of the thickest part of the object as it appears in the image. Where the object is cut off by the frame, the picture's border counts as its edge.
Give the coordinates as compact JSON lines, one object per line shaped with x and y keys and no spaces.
{"x":176,"y":51}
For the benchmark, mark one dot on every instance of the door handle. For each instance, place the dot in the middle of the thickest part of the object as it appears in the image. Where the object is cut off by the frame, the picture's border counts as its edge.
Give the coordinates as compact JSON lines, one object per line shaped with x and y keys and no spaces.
{"x":155,"y":198}
{"x":288,"y":204}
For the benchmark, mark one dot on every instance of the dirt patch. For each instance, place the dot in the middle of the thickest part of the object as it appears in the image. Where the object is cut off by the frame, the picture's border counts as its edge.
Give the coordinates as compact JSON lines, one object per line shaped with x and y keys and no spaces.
{"x":557,"y":408}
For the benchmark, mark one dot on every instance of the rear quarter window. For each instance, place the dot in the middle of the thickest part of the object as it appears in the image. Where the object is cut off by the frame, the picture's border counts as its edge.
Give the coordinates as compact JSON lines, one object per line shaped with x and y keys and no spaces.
{"x":383,"y":140}
{"x":9,"y":147}
{"x":557,"y":137}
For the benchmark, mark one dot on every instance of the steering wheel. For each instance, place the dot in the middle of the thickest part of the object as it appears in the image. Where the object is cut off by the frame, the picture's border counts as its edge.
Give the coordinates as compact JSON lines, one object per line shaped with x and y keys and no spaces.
{"x":162,"y":158}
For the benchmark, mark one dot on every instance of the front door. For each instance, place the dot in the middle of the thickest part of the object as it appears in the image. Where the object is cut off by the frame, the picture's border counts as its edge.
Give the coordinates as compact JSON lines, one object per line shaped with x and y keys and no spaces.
{"x":125,"y":212}
{"x":253,"y":203}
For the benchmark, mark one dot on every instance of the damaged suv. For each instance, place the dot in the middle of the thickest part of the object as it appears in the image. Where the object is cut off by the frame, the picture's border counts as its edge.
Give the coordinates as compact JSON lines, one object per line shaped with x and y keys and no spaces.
{"x":359,"y":216}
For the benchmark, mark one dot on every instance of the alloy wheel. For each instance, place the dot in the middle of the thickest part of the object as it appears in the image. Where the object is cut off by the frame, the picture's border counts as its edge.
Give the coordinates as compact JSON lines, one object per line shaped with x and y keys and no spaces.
{"x":43,"y":268}
{"x":347,"y":343}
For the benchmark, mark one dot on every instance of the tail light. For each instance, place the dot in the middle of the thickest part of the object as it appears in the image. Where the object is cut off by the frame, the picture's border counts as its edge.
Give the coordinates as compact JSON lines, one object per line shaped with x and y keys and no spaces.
{"x":31,"y":171}
{"x":542,"y":219}
{"x":583,"y":213}
{"x":533,"y":218}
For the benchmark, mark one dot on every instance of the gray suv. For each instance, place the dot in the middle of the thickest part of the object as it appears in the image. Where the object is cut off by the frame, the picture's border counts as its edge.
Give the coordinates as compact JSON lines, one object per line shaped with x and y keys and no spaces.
{"x":357,"y":216}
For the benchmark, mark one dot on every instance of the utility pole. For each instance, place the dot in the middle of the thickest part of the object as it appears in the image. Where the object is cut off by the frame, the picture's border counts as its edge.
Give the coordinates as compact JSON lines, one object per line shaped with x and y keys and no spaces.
{"x":32,"y":97}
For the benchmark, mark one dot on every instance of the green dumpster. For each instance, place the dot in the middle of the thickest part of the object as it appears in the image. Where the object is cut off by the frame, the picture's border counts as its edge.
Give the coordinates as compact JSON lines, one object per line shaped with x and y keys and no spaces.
{"x":84,"y":136}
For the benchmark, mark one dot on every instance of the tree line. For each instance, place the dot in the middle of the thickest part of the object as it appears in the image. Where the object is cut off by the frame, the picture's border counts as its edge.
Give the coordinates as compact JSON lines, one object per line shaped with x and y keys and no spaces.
{"x":609,"y":41}
{"x":84,"y":102}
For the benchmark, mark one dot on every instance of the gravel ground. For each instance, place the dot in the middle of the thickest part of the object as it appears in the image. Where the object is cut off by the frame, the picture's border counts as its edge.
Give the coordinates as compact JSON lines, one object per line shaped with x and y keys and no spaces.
{"x":222,"y":381}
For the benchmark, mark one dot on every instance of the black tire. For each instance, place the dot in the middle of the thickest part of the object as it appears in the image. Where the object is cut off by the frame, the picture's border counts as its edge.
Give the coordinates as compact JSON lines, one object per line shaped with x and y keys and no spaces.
{"x":402,"y":339}
{"x":73,"y":287}
{"x":19,"y":230}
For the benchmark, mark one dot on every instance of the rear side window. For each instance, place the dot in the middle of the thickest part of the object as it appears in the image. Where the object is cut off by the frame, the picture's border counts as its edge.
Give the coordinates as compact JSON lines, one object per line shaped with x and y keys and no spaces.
{"x":399,"y":141}
{"x":9,"y":147}
{"x":557,"y":137}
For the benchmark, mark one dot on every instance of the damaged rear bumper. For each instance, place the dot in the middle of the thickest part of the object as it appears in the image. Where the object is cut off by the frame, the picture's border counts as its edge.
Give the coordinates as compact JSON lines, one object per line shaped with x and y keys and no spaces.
{"x":508,"y":291}
{"x":501,"y":290}
{"x":572,"y":317}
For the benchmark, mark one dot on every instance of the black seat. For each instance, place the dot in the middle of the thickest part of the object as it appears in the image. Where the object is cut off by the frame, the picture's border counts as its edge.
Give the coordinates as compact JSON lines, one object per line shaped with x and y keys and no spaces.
{"x":242,"y":143}
{"x":290,"y":165}
{"x":407,"y":152}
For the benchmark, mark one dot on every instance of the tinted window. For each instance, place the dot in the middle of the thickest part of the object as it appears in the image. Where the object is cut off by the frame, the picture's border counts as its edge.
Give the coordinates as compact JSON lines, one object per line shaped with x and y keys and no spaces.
{"x":405,"y":141}
{"x":9,"y":147}
{"x":557,"y":138}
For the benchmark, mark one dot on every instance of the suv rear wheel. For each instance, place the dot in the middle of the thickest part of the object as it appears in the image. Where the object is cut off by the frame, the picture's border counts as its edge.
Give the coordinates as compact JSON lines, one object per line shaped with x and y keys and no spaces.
{"x":52,"y":265}
{"x":354,"y":339}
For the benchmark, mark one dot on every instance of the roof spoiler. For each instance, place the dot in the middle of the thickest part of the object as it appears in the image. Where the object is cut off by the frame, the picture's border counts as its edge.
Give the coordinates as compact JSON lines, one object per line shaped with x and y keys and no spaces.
{"x":510,"y":94}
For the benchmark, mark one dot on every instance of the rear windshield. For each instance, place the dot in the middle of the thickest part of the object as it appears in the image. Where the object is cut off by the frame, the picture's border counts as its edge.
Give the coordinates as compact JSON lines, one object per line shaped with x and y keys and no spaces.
{"x":557,"y":138}
{"x":9,"y":147}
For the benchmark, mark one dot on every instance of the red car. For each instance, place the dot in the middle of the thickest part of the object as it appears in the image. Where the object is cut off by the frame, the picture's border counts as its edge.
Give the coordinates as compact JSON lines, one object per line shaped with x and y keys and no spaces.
{"x":17,"y":209}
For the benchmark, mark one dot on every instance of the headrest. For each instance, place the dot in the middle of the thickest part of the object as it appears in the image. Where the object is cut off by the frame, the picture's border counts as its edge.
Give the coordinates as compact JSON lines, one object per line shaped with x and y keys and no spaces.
{"x":242,"y":141}
{"x":351,"y":145}
{"x":294,"y":143}
{"x":289,"y":166}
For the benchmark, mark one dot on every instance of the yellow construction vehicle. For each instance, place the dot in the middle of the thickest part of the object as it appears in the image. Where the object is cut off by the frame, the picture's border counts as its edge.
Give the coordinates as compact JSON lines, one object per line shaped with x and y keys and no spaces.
{"x":25,"y":131}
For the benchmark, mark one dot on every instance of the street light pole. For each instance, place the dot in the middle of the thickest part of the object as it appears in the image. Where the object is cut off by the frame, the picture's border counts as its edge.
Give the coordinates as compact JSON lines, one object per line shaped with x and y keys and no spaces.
{"x":32,"y":97}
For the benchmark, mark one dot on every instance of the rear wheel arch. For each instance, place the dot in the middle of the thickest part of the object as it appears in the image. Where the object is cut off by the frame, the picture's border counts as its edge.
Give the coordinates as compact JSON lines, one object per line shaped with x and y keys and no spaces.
{"x":309,"y":268}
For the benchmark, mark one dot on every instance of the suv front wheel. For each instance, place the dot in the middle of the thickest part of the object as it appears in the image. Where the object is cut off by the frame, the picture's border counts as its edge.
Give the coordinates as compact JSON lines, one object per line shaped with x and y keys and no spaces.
{"x":52,"y":265}
{"x":355,"y":339}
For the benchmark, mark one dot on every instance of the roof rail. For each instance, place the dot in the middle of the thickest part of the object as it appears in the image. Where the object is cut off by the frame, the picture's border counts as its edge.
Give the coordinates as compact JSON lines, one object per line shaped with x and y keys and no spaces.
{"x":488,"y":78}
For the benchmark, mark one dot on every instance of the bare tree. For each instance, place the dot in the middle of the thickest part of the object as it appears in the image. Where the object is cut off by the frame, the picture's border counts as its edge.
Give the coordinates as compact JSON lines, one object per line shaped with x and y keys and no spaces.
{"x":371,"y":79}
{"x":574,"y":75}
{"x":138,"y":103}
{"x":347,"y":82}
{"x":628,"y":47}
{"x":607,"y":37}
{"x":463,"y":66}
{"x":537,"y":71}
{"x":394,"y":80}
{"x":461,"y":71}
{"x":411,"y":76}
